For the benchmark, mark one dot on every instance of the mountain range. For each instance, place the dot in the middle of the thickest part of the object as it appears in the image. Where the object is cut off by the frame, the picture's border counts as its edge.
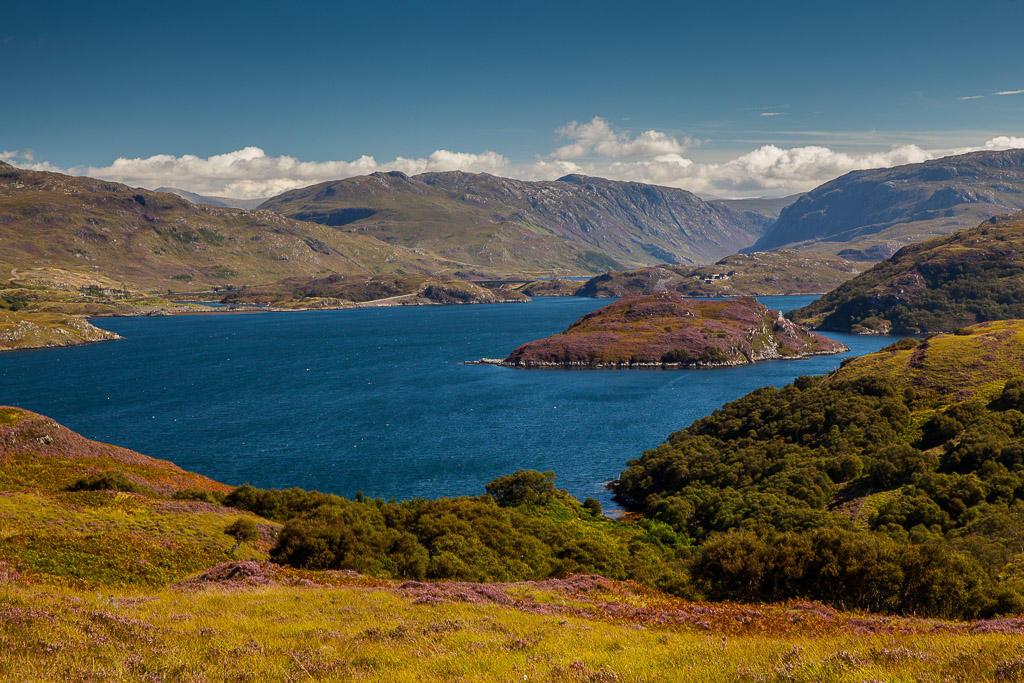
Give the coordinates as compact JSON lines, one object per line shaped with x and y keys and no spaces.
{"x":869,"y":215}
{"x":574,"y":224}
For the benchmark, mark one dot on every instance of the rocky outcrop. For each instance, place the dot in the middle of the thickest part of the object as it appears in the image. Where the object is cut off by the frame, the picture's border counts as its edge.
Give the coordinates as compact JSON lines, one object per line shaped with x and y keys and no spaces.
{"x":668,"y":330}
{"x":47,"y":330}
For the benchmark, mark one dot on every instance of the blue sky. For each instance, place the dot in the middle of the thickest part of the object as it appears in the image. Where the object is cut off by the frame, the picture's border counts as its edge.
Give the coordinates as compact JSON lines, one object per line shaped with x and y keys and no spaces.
{"x":332,"y":82}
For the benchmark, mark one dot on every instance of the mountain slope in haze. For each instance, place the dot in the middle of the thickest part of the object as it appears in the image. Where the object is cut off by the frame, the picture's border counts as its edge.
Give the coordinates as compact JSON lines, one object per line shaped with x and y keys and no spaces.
{"x":935,"y":286}
{"x":868,"y":215}
{"x":575,"y":224}
{"x":158,"y":241}
{"x":212,"y":200}
{"x":762,"y":273}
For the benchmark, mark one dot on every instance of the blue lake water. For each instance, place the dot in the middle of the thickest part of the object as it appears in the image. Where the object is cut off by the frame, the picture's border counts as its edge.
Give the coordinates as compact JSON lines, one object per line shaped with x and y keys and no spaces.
{"x":376,"y":399}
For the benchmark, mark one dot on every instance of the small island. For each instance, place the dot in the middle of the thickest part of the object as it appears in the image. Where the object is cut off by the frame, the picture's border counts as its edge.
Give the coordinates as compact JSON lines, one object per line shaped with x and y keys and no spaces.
{"x":670,"y":331}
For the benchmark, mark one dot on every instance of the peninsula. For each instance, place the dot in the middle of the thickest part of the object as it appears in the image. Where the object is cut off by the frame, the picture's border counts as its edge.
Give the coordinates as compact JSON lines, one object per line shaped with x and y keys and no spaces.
{"x":671,"y":331}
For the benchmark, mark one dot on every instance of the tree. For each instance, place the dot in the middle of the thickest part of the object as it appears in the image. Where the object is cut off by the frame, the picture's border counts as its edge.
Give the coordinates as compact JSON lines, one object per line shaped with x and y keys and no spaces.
{"x":243,"y":530}
{"x":524,"y":486}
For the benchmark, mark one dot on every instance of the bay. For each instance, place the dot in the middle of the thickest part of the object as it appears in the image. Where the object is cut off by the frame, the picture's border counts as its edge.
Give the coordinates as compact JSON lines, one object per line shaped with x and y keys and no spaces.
{"x":376,"y":400}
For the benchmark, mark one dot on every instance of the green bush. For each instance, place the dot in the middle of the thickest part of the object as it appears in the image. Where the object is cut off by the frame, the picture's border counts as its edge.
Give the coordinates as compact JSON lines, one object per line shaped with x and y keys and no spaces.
{"x":108,"y":481}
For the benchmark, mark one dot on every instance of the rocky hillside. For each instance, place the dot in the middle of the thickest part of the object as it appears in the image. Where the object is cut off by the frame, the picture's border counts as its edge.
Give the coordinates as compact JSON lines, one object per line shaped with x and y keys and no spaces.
{"x":935,"y":286}
{"x":156,"y":241}
{"x":575,"y":224}
{"x":36,"y":330}
{"x":763,"y":273}
{"x":339,"y":291}
{"x":668,"y":330}
{"x":868,"y":215}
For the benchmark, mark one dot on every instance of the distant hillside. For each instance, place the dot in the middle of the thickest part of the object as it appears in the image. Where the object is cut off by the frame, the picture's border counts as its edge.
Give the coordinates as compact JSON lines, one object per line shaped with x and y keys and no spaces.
{"x":336,"y":291}
{"x":158,"y":241}
{"x":868,"y":215}
{"x":575,"y":224}
{"x":668,"y":330}
{"x":935,"y":286}
{"x":760,"y":273}
{"x":213,"y":200}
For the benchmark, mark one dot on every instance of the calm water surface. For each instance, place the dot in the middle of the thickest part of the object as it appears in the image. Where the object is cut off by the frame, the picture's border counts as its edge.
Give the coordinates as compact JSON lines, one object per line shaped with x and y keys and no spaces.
{"x":376,"y":399}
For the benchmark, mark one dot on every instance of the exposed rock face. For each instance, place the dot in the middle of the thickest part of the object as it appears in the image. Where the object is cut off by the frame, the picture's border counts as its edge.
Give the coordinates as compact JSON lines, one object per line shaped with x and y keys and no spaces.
{"x":577,"y":223}
{"x":668,"y":330}
{"x":864,"y":213}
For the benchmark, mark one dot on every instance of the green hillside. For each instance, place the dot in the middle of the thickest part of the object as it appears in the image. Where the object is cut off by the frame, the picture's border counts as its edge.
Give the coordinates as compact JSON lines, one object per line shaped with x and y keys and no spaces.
{"x":843,"y":488}
{"x":935,"y":286}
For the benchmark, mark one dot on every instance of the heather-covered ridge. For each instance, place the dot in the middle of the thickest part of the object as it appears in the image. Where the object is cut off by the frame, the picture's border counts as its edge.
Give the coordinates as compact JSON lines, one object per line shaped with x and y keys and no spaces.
{"x":668,"y":330}
{"x":37,"y":453}
{"x":762,"y":273}
{"x":968,"y":277}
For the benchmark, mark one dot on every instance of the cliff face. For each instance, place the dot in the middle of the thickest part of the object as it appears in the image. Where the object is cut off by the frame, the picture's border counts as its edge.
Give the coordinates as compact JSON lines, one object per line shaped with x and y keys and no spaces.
{"x":668,"y":330}
{"x":576,"y":223}
{"x":868,"y":215}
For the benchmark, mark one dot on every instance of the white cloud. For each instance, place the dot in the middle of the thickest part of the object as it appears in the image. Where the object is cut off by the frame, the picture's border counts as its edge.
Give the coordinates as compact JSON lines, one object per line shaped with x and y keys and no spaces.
{"x":250,"y":173}
{"x":597,"y":137}
{"x":596,"y":148}
{"x":971,"y":97}
{"x":772,"y":113}
{"x":1009,"y":92}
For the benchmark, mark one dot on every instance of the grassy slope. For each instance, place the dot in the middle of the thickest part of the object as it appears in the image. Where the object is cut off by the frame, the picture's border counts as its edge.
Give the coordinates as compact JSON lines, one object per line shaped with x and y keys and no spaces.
{"x":157,"y":241}
{"x":935,"y":286}
{"x":949,"y":368}
{"x":84,"y":596}
{"x":357,"y":633}
{"x":644,"y":329}
{"x":45,"y":330}
{"x":757,"y":274}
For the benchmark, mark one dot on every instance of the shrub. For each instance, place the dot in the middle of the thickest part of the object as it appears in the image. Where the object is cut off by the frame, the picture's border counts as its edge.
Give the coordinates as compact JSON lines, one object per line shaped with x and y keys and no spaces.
{"x":108,"y":481}
{"x":201,"y":495}
{"x":593,"y":505}
{"x":243,"y":530}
